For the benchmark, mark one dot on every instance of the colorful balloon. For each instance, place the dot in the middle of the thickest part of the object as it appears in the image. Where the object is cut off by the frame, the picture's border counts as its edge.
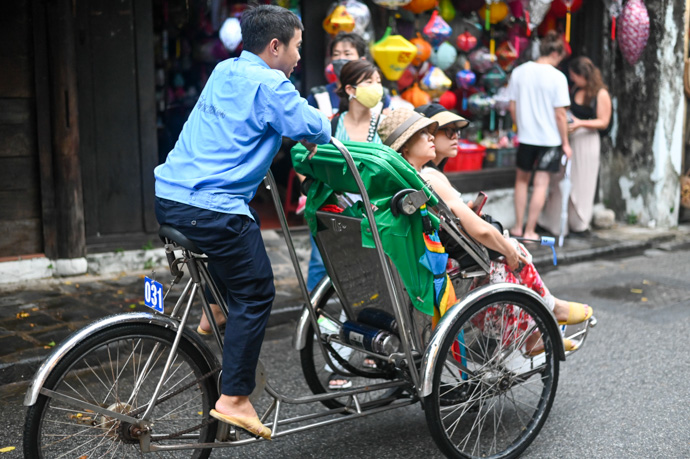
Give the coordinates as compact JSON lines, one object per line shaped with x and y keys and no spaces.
{"x":634,"y":30}
{"x":497,"y":12}
{"x":393,"y":54}
{"x":437,"y":30}
{"x":444,"y":56}
{"x":423,"y":50}
{"x":466,"y":42}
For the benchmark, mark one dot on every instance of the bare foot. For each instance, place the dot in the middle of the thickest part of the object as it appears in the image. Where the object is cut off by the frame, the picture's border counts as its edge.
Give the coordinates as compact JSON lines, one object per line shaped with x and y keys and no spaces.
{"x":530,"y":235}
{"x":561,"y":310}
{"x":235,"y":405}
{"x":217,"y":314}
{"x":515,"y":231}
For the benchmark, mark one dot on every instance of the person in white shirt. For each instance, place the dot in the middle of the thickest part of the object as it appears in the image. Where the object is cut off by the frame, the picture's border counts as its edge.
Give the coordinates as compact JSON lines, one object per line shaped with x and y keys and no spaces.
{"x":539,"y":99}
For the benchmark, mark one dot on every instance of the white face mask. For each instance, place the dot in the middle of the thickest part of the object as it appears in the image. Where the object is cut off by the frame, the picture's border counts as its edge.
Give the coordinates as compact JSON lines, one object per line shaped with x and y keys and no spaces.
{"x":368,"y":96}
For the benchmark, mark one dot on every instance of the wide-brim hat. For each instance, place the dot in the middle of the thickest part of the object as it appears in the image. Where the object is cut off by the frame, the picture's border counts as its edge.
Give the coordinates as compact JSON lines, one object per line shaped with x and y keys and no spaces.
{"x":401,"y":124}
{"x":438,"y":112}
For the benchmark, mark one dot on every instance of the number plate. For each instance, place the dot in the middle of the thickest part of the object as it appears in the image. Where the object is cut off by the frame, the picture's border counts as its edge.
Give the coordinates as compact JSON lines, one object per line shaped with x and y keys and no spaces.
{"x":153,"y":294}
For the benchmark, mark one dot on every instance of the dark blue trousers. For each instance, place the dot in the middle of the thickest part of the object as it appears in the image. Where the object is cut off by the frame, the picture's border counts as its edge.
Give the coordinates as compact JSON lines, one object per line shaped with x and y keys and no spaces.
{"x":242,"y":270}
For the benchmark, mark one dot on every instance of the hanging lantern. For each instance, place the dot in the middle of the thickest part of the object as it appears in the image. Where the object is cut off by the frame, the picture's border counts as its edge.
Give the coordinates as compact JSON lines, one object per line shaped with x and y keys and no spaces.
{"x":497,"y":12}
{"x":411,"y":75}
{"x":466,"y":42}
{"x":392,"y":4}
{"x":435,"y":82}
{"x":634,"y":30}
{"x":547,"y":25}
{"x":393,"y":54}
{"x":449,"y":100}
{"x":465,"y":78}
{"x":423,"y":50}
{"x":506,"y":54}
{"x":559,"y":8}
{"x":481,"y":59}
{"x":231,"y":34}
{"x":339,"y":21}
{"x":480,"y":103}
{"x":416,"y":96}
{"x":420,"y":6}
{"x":517,"y":8}
{"x":615,"y":10}
{"x":536,"y":10}
{"x":447,"y":10}
{"x":362,"y":16}
{"x":494,"y":78}
{"x":437,"y":30}
{"x":444,"y":56}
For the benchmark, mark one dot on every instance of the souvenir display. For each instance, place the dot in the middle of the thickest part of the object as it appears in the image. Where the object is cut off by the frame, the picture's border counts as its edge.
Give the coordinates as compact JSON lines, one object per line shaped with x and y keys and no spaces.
{"x":444,"y":56}
{"x":437,"y":30}
{"x":449,"y":100}
{"x":393,"y":53}
{"x":423,"y":50}
{"x":480,"y":103}
{"x":537,"y":10}
{"x":498,"y":11}
{"x":506,"y":54}
{"x":392,"y":4}
{"x":339,"y":21}
{"x":634,"y":30}
{"x":447,"y":10}
{"x":481,"y":59}
{"x":362,"y":16}
{"x":466,"y":42}
{"x":493,"y":78}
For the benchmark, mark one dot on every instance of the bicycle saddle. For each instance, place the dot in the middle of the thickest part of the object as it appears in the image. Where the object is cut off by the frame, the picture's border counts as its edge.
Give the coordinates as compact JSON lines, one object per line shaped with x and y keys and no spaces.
{"x":171,"y":234}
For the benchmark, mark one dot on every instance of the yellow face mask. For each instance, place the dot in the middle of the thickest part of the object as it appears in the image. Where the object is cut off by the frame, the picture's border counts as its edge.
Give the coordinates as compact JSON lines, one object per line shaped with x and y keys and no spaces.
{"x":370,"y":95}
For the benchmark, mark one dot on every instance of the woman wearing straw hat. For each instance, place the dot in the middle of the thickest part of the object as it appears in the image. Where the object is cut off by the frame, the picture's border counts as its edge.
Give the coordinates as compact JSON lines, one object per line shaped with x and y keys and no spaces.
{"x":412,"y":135}
{"x":446,"y":140}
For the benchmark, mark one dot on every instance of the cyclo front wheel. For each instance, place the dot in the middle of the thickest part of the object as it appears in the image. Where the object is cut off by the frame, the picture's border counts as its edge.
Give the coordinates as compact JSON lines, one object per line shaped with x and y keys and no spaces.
{"x":498,"y":406}
{"x":118,"y":369}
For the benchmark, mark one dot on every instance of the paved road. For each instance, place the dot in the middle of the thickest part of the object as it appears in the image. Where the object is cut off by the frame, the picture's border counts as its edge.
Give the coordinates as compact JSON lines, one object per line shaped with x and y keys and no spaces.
{"x":626,"y":394}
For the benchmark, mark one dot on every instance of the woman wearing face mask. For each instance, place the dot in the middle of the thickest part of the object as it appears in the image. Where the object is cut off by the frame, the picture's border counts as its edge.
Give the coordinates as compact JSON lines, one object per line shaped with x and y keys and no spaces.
{"x":360,"y":92}
{"x":446,"y":138}
{"x":416,"y":145}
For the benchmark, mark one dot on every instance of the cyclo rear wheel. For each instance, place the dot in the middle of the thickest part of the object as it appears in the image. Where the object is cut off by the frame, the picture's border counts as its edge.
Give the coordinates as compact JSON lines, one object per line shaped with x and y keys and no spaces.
{"x":499,"y":408}
{"x":317,"y":371}
{"x":118,"y":369}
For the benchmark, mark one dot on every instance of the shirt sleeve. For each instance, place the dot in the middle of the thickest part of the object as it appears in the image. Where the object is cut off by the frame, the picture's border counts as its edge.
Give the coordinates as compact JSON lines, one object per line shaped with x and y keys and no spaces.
{"x":290,"y":114}
{"x":561,"y":97}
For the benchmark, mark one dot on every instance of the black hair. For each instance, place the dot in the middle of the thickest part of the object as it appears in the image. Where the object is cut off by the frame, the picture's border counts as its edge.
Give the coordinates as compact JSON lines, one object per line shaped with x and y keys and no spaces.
{"x":352,"y":73}
{"x":354,"y":39}
{"x":552,"y":43}
{"x":261,"y":24}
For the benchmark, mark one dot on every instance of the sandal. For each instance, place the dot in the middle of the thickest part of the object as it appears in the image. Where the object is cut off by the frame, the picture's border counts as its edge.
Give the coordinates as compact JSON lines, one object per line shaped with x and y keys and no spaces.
{"x":338,"y":382}
{"x":577,"y":313}
{"x":369,"y":363}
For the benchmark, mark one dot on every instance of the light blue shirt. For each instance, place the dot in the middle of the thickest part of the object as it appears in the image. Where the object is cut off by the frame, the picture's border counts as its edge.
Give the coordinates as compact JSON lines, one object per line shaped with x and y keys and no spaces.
{"x":228,"y":143}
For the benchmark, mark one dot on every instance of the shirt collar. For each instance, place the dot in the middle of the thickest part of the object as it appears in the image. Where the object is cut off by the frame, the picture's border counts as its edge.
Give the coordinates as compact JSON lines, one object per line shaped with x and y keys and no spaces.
{"x":253,"y":58}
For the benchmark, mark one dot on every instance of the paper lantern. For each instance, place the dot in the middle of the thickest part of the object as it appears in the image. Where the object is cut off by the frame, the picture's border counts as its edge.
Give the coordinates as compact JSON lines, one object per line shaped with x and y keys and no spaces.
{"x":466,"y":42}
{"x":393,"y":54}
{"x":559,"y":8}
{"x":435,"y":82}
{"x":339,"y":21}
{"x":437,"y":30}
{"x":412,"y":74}
{"x":494,"y":78}
{"x":444,"y":56}
{"x":447,"y":10}
{"x":231,"y":34}
{"x":420,"y":6}
{"x":329,"y":73}
{"x":506,"y":54}
{"x":480,"y":103}
{"x":481,"y":59}
{"x":423,"y":50}
{"x":537,"y":10}
{"x":633,"y":31}
{"x":416,"y":96}
{"x":362,"y":16}
{"x":392,"y":4}
{"x":517,"y":8}
{"x":497,"y":12}
{"x":465,"y":78}
{"x":547,"y":25}
{"x":467,"y":6}
{"x":448,"y":99}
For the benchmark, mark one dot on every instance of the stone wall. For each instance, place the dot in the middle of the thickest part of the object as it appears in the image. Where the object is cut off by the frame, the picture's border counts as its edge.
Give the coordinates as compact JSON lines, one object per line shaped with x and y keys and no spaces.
{"x":641,"y":161}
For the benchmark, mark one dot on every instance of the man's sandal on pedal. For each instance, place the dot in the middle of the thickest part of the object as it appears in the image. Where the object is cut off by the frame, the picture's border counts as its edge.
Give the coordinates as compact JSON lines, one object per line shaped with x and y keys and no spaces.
{"x":338,"y":382}
{"x":251,"y":425}
{"x":567,"y":344}
{"x":577,"y":313}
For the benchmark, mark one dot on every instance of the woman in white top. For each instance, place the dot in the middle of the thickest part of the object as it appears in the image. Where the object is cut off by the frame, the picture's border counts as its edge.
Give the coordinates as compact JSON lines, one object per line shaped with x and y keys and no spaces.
{"x":416,"y":145}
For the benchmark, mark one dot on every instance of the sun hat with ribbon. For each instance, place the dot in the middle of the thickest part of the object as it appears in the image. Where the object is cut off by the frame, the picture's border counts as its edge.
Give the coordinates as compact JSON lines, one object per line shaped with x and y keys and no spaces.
{"x":400,"y":125}
{"x":438,"y":112}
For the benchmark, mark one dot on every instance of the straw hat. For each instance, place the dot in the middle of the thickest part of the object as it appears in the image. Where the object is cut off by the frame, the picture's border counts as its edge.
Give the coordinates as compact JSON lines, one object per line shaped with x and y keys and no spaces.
{"x":400,"y":125}
{"x":438,"y":112}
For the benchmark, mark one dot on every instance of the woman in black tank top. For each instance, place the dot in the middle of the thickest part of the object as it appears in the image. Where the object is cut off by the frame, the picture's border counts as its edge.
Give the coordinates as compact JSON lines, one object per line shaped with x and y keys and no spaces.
{"x":590,"y":105}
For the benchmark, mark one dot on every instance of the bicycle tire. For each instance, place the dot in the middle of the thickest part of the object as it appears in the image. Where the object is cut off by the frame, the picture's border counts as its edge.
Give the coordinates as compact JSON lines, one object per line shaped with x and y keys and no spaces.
{"x":102,"y":371}
{"x":498,"y":409}
{"x":316,"y":371}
